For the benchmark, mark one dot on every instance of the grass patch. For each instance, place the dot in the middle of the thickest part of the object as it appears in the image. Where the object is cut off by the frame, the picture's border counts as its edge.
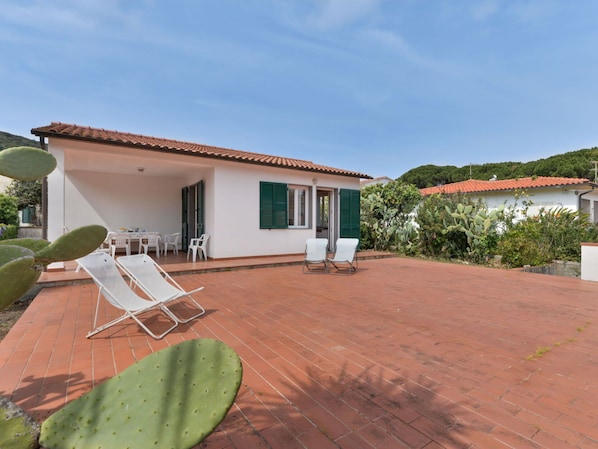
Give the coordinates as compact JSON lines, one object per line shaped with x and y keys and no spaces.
{"x":541,"y":350}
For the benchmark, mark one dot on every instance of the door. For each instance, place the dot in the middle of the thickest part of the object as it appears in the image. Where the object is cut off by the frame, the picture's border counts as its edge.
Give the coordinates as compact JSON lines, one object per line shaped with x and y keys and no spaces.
{"x":192,"y":220}
{"x":323,"y":218}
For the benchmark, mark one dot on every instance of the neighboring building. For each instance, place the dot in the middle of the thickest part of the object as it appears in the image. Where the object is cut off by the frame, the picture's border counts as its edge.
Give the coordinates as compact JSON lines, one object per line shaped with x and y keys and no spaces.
{"x":4,"y":183}
{"x":380,"y":180}
{"x":251,"y":204}
{"x":543,"y":192}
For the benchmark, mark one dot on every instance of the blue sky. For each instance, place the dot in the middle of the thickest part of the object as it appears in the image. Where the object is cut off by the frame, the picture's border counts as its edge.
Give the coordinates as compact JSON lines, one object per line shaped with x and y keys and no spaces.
{"x":376,"y":86}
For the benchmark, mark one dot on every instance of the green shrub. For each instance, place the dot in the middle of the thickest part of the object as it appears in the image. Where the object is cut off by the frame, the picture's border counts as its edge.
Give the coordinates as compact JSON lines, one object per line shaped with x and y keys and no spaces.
{"x":9,"y":212}
{"x":554,"y":234}
{"x":433,"y":219}
{"x":385,"y":215}
{"x":8,"y":231}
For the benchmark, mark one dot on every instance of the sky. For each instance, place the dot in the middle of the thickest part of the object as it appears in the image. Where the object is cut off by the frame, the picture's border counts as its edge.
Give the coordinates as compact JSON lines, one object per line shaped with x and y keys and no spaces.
{"x":375,"y":86}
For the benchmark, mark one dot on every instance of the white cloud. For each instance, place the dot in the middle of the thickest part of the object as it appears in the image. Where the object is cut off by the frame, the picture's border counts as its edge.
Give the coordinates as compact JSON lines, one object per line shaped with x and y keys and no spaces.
{"x":333,"y":14}
{"x":484,"y":9}
{"x":534,"y":10}
{"x":409,"y":54}
{"x":65,"y":16}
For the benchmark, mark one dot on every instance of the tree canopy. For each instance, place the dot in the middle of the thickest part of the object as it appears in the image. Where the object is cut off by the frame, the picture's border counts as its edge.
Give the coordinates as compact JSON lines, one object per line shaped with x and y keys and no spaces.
{"x":574,"y":164}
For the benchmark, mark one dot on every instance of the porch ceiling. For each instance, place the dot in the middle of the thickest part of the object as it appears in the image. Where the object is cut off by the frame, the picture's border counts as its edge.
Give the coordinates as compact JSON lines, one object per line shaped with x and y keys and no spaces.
{"x":131,"y":162}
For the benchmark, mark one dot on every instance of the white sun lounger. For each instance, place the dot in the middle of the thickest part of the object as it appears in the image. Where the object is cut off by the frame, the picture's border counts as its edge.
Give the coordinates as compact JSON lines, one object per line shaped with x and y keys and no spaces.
{"x":112,"y":286}
{"x":157,"y":283}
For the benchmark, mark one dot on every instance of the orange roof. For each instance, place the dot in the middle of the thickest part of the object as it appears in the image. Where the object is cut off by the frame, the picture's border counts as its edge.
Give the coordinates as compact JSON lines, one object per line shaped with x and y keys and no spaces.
{"x":475,"y":185}
{"x":86,"y":133}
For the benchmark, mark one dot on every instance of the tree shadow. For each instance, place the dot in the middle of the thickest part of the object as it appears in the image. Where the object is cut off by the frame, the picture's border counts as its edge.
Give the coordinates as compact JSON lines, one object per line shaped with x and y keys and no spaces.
{"x":43,"y":395}
{"x":349,"y":408}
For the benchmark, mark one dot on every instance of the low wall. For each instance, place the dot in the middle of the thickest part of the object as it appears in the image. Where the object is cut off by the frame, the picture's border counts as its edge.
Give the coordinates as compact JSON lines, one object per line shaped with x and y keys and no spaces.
{"x":34,"y":232}
{"x":558,"y":268}
{"x":589,"y":261}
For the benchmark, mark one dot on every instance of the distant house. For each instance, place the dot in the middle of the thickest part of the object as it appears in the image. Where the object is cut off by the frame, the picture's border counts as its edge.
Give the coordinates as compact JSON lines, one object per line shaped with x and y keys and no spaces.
{"x":380,"y":180}
{"x":4,"y":183}
{"x":543,"y":192}
{"x":251,"y":204}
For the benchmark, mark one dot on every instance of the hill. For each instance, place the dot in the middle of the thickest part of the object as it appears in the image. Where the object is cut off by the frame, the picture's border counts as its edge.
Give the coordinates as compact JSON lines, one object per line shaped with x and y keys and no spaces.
{"x":10,"y":140}
{"x":574,"y":164}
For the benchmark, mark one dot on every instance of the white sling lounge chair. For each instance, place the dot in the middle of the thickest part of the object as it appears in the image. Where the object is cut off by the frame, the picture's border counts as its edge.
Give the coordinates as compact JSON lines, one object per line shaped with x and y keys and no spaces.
{"x":112,"y":286}
{"x":344,"y":259}
{"x":157,"y":283}
{"x":316,"y":251}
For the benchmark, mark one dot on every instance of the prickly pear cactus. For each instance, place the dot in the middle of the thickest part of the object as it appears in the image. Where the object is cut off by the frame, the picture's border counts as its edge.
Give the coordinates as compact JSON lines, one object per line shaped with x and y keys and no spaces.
{"x":76,"y":243}
{"x":173,"y":398}
{"x":26,"y":163}
{"x":17,"y":429}
{"x":17,"y":273}
{"x":21,"y":260}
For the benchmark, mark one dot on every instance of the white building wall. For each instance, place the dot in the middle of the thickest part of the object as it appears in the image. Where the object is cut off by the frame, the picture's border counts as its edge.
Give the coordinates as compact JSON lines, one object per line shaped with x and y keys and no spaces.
{"x":237,"y":210}
{"x":56,"y":205}
{"x":545,"y":198}
{"x":149,"y":203}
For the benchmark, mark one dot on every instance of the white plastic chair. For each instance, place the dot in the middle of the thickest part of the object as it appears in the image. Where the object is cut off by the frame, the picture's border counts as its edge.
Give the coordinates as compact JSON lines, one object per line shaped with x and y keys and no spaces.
{"x":316,"y":251}
{"x":157,"y":283}
{"x":104,"y":272}
{"x":119,"y":241}
{"x":344,"y":259}
{"x":171,"y":240}
{"x":149,"y":241}
{"x":198,"y":245}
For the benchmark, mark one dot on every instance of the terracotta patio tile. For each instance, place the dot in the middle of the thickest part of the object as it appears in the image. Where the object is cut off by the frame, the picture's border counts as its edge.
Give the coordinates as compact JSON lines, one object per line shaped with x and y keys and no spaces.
{"x":399,"y":354}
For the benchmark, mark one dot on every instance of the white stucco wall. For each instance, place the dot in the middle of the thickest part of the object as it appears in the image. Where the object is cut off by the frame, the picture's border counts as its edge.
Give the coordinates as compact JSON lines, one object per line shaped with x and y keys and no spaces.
{"x":150,"y":203}
{"x":547,"y":198}
{"x":236,"y":221}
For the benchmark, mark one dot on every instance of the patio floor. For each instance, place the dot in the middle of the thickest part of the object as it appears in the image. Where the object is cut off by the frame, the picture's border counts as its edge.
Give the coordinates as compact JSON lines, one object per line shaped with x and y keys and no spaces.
{"x":405,"y":353}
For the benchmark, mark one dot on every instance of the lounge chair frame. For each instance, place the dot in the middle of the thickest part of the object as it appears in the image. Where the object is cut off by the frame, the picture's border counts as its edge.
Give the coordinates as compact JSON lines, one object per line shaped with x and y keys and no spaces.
{"x":156,"y":283}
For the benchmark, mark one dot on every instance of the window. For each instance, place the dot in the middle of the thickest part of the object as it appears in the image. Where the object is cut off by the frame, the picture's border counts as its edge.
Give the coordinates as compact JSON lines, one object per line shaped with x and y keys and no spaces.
{"x":283,"y":206}
{"x":297,"y":207}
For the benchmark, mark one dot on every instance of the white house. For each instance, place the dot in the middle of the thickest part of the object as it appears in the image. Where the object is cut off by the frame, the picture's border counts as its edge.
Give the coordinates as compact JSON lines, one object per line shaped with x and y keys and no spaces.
{"x":383,"y":180}
{"x":544,"y":192}
{"x":250,"y":204}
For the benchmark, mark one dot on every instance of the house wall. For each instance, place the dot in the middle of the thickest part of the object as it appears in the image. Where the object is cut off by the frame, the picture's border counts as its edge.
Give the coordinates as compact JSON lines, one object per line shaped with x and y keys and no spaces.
{"x":547,"y":198}
{"x":149,"y":203}
{"x":4,"y":183}
{"x":236,"y":231}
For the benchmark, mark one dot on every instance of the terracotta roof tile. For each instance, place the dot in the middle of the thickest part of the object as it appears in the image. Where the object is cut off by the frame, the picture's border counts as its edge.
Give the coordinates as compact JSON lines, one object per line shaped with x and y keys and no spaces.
{"x":86,"y":133}
{"x":475,"y":185}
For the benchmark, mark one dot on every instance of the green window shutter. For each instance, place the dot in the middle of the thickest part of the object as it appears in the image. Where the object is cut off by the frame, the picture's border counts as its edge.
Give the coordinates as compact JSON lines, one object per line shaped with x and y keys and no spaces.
{"x":349,"y":213}
{"x":273,"y":205}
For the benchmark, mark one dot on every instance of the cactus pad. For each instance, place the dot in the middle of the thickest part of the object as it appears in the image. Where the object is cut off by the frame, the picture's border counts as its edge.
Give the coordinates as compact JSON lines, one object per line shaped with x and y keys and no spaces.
{"x":29,"y":243}
{"x":173,"y":398}
{"x":17,"y":273}
{"x":26,"y":163}
{"x":76,"y":243}
{"x":17,"y":429}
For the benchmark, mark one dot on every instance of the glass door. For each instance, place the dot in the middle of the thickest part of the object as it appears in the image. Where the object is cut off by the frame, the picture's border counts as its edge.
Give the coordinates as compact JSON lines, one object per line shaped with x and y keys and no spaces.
{"x":192,"y":220}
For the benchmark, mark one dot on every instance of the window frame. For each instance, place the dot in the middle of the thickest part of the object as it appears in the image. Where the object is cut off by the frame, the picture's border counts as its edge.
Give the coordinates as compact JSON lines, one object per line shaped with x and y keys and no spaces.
{"x":299,"y":210}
